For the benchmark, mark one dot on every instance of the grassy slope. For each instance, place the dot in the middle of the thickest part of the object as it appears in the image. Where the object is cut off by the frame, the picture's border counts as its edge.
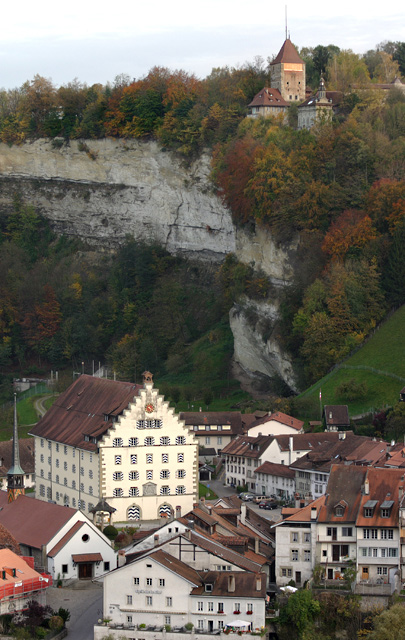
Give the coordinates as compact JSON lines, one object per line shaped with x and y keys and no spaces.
{"x":384,"y":351}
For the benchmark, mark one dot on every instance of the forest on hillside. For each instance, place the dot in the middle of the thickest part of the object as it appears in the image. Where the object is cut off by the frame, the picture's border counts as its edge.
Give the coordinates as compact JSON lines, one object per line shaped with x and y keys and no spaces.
{"x":340,"y":186}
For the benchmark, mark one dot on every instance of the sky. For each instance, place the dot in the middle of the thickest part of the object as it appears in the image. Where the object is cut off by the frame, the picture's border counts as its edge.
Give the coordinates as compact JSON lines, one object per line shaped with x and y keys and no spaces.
{"x":96,"y":41}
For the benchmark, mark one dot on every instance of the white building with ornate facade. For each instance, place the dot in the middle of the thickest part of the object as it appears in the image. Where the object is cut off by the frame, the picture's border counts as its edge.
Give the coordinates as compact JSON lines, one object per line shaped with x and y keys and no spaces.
{"x":118,"y":442}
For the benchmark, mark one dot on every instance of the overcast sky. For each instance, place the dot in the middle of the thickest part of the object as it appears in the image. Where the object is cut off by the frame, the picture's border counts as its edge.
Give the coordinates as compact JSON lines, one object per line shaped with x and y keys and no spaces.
{"x":95,"y":41}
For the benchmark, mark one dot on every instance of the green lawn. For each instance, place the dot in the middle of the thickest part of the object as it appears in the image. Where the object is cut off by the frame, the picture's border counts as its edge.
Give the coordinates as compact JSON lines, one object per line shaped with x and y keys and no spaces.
{"x":385,"y":351}
{"x":204,"y":492}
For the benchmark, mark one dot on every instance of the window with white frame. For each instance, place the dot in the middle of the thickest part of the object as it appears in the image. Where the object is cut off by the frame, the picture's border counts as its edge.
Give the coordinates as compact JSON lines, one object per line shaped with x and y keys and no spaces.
{"x":180,"y":440}
{"x":387,"y":534}
{"x":165,"y":490}
{"x":133,"y":491}
{"x":249,"y":607}
{"x":117,"y":442}
{"x":307,"y":555}
{"x":136,"y":581}
{"x":149,"y":441}
{"x":165,"y":440}
{"x":118,"y":475}
{"x":118,"y":493}
{"x":294,"y":555}
{"x":134,"y":475}
{"x":164,"y":473}
{"x":129,"y":599}
{"x":294,"y":536}
{"x":382,"y":571}
{"x":180,"y":473}
{"x":168,"y":620}
{"x":161,"y":582}
{"x":149,"y":601}
{"x":307,"y":537}
{"x":370,"y":534}
{"x":148,"y":582}
{"x":133,"y":442}
{"x":200,"y":605}
{"x":210,"y":606}
{"x":169,"y":601}
{"x":180,"y":489}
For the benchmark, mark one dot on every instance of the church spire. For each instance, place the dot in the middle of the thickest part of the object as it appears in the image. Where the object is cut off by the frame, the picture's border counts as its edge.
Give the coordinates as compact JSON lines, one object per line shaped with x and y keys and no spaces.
{"x":15,"y":475}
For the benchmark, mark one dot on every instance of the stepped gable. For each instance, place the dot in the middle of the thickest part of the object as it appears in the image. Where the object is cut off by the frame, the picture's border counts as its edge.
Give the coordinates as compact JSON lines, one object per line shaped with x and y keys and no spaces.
{"x":288,"y":53}
{"x":85,"y":411}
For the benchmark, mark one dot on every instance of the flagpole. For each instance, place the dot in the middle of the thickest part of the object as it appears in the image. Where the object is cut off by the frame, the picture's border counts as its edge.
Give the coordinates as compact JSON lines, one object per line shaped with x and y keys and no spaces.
{"x":320,"y":403}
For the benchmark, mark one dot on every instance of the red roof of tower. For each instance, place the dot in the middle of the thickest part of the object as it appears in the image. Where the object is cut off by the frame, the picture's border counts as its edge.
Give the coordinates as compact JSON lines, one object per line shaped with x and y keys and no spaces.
{"x":288,"y":53}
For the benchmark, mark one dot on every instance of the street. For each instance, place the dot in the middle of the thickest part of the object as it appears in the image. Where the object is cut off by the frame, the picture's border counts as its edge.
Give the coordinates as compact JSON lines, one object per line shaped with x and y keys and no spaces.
{"x":85,"y":603}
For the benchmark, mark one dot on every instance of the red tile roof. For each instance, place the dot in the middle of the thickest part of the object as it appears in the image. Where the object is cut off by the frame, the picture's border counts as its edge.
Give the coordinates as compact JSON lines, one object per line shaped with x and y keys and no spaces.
{"x":207,"y":418}
{"x":344,"y":482}
{"x":288,"y":53}
{"x":87,"y":557}
{"x":384,"y":485}
{"x":247,"y":446}
{"x":337,"y":415}
{"x":273,"y":469}
{"x":83,"y":408}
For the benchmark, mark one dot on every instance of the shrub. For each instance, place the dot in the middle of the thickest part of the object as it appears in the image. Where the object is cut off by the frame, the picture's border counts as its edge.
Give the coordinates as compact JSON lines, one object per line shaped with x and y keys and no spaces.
{"x":110,"y":531}
{"x":56,"y":622}
{"x":352,"y":390}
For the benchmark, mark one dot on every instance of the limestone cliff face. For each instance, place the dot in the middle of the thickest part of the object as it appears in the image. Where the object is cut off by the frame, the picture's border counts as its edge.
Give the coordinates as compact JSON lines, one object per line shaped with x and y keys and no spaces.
{"x":106,"y":189}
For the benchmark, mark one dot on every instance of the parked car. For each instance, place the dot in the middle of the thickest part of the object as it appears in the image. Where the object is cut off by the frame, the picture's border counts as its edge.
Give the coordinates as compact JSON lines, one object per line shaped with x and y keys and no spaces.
{"x":259,"y":499}
{"x":247,"y":497}
{"x":268,"y":504}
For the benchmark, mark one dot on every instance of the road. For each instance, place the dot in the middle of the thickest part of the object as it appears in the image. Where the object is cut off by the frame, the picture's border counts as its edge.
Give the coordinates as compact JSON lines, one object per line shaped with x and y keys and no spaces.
{"x":39,"y":405}
{"x":85,"y":603}
{"x":221,"y":490}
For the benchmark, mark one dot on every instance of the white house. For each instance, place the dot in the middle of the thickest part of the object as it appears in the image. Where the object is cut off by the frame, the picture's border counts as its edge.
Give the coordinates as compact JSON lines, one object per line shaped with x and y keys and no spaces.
{"x":59,"y":538}
{"x":276,"y":424}
{"x":275,"y":480}
{"x":157,"y":589}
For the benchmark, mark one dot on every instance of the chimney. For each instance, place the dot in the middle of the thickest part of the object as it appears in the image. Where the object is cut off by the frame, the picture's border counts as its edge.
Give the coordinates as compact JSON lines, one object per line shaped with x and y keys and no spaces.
{"x":178,"y":512}
{"x":243,"y":508}
{"x":313,"y":513}
{"x":366,"y":487}
{"x":400,"y":493}
{"x":231,"y":583}
{"x":291,"y":449}
{"x":257,"y":547}
{"x":187,"y":533}
{"x":258,"y":583}
{"x":156,"y":540}
{"x":121,"y":558}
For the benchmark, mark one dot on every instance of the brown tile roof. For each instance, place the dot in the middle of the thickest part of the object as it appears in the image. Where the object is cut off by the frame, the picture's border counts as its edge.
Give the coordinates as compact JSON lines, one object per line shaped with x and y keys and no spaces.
{"x":27,"y":455}
{"x":287,"y":53}
{"x":227,"y":555}
{"x":82,"y":408}
{"x":207,"y":418}
{"x":282,"y":418}
{"x":344,"y":482}
{"x":247,"y":446}
{"x":354,"y":449}
{"x":337,"y":415}
{"x":65,"y":539}
{"x":268,"y":97}
{"x":306,"y":441}
{"x":334,"y":98}
{"x":273,"y":469}
{"x":244,"y":584}
{"x":87,"y":557}
{"x":33,"y":522}
{"x":7,"y":541}
{"x":177,"y":566}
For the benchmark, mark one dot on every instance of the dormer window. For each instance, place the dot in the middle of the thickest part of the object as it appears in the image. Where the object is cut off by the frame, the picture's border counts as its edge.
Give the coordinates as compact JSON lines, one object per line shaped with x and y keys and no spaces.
{"x":339,"y":511}
{"x":369,"y":508}
{"x":386,"y":508}
{"x":208,"y":588}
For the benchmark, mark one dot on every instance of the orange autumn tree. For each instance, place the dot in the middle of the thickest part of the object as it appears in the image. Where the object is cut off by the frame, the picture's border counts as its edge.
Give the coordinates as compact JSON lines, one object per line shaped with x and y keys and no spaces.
{"x":385,"y":204}
{"x":42,"y":323}
{"x":352,"y":231}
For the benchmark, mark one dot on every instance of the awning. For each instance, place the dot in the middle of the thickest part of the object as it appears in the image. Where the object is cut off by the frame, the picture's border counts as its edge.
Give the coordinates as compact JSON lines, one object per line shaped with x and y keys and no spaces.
{"x":87,"y":557}
{"x":238,"y":623}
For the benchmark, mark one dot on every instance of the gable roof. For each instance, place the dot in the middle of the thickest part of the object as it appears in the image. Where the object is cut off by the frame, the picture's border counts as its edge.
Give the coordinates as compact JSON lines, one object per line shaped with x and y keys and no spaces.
{"x":208,"y":418}
{"x":88,"y":407}
{"x":306,"y":441}
{"x":65,"y":539}
{"x":384,"y":489}
{"x":337,"y":415}
{"x":282,"y":418}
{"x":343,"y":481}
{"x":247,"y":446}
{"x":268,"y":97}
{"x":303,"y":514}
{"x":33,"y":522}
{"x":350,"y":449}
{"x":287,"y":53}
{"x":274,"y":469}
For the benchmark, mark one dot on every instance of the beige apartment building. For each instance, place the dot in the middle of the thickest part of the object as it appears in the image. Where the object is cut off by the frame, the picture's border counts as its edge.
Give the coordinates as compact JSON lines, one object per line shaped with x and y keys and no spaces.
{"x":118,"y":442}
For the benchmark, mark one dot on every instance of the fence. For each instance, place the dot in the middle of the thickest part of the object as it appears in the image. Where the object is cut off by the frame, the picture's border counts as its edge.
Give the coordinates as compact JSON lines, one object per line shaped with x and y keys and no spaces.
{"x":25,"y":586}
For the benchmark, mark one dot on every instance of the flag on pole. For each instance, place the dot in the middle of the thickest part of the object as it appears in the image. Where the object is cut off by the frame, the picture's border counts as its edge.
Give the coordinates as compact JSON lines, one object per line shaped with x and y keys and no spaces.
{"x":320,"y":394}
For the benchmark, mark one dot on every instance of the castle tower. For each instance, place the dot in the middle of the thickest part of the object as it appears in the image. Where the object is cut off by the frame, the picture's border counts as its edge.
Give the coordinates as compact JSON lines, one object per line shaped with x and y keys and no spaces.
{"x":288,"y":73}
{"x":15,"y":475}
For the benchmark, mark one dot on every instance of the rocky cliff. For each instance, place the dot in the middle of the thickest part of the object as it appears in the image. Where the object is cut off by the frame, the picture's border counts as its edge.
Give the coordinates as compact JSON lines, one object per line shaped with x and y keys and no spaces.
{"x":103,"y":190}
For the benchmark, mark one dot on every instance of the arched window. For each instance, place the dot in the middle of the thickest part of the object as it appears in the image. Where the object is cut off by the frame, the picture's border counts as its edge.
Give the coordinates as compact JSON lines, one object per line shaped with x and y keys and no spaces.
{"x":149,"y":441}
{"x":134,"y":475}
{"x":165,"y":511}
{"x":180,"y":489}
{"x":118,"y":442}
{"x":164,"y":440}
{"x":118,"y":475}
{"x":133,"y":512}
{"x":133,"y":491}
{"x":181,"y":440}
{"x":118,"y":493}
{"x":133,"y":442}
